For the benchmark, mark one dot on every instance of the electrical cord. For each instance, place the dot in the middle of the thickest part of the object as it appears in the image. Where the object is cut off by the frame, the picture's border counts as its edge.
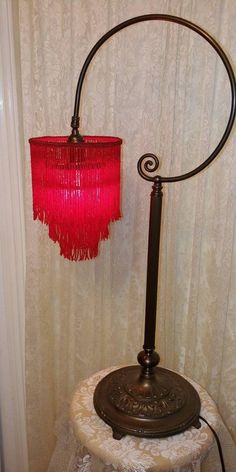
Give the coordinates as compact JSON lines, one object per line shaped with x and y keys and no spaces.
{"x":218,"y":443}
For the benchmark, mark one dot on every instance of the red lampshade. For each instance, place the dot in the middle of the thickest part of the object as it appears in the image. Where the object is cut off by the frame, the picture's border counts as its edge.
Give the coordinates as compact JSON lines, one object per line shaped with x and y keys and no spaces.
{"x":76,"y":190}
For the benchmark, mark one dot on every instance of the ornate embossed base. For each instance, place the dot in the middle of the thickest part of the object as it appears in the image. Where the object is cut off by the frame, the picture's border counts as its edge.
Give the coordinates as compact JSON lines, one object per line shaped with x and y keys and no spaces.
{"x":157,"y":405}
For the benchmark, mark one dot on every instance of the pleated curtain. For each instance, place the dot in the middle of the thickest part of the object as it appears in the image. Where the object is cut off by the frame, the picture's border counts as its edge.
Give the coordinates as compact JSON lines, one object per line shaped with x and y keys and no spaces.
{"x":162,"y":89}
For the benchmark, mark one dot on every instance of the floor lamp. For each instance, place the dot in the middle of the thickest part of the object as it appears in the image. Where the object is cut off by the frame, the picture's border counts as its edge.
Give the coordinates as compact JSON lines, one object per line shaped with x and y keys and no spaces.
{"x":76,"y":192}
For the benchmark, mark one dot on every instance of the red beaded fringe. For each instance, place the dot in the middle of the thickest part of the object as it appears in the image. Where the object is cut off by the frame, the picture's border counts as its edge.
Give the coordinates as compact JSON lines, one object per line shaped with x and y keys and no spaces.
{"x":76,"y":191}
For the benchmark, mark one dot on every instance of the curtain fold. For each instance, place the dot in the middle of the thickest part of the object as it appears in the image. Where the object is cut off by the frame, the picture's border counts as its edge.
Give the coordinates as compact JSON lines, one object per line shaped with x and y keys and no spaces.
{"x":162,"y":89}
{"x":13,"y":436}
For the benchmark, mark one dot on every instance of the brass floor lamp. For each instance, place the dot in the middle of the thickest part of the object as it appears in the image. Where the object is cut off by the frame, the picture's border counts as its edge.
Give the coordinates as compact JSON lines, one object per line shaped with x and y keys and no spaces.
{"x":76,"y":193}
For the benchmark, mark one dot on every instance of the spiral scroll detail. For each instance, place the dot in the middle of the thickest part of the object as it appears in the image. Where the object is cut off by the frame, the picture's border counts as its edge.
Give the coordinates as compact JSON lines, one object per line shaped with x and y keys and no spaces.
{"x":148,"y":164}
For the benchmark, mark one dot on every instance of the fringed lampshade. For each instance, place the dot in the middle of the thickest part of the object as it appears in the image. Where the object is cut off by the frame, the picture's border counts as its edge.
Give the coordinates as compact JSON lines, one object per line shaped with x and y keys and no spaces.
{"x":76,"y":190}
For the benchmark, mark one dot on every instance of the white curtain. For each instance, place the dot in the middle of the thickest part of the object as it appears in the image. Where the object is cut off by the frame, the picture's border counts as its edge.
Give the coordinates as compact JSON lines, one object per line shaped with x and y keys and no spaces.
{"x":162,"y":89}
{"x":13,"y":440}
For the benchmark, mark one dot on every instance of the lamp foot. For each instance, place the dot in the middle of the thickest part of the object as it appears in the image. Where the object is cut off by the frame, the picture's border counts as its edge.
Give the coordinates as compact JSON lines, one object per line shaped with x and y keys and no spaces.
{"x":116,"y":434}
{"x":158,"y":405}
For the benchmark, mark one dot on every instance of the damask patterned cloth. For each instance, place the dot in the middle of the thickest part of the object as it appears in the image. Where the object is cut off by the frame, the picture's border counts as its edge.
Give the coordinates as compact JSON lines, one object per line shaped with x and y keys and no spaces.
{"x":95,"y":450}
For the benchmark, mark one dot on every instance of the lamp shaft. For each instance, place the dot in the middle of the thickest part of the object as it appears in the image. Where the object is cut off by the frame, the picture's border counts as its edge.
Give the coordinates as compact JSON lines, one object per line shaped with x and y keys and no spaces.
{"x":152,"y":265}
{"x":149,"y":358}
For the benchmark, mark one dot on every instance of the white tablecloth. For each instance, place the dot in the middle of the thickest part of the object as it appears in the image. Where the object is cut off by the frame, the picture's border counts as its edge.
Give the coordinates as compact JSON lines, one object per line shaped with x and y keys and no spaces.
{"x":85,"y":443}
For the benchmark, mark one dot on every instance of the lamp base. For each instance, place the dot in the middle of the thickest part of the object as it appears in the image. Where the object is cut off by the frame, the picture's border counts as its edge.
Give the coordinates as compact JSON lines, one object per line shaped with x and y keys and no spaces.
{"x":151,"y":406}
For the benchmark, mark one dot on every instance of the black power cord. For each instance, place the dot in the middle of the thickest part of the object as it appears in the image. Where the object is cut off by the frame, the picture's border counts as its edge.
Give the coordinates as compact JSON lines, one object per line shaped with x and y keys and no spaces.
{"x":218,"y":443}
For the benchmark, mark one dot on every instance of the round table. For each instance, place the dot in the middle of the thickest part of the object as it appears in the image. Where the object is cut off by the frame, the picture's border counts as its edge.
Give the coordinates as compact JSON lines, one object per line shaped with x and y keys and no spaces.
{"x":191,"y":451}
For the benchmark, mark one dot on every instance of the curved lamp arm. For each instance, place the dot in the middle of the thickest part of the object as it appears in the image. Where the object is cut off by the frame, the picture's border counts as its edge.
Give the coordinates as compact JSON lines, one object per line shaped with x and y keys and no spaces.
{"x":75,"y":136}
{"x":143,"y":388}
